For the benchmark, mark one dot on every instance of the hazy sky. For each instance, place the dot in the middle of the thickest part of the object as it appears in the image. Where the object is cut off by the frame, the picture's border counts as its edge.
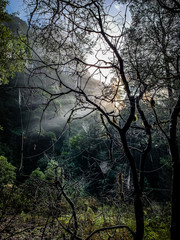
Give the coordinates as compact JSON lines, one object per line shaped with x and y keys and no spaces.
{"x":17,"y":6}
{"x":20,"y":7}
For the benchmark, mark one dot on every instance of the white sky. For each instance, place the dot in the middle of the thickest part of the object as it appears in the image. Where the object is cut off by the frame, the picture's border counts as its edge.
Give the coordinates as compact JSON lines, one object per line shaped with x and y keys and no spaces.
{"x":91,"y":59}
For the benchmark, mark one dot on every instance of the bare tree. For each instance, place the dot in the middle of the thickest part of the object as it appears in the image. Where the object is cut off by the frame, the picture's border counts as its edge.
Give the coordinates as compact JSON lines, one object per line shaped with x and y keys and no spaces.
{"x":153,"y":49}
{"x":64,"y":35}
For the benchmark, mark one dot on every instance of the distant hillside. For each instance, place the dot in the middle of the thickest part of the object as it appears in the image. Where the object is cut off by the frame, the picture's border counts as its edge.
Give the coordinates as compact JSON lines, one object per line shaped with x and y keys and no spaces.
{"x":15,"y":24}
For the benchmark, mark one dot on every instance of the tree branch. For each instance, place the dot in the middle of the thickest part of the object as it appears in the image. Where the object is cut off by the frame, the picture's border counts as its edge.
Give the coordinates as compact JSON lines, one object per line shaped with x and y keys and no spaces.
{"x":110,"y":228}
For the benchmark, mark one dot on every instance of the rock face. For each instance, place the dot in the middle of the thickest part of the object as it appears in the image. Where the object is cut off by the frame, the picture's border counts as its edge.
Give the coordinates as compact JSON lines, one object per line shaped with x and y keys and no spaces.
{"x":16,"y":24}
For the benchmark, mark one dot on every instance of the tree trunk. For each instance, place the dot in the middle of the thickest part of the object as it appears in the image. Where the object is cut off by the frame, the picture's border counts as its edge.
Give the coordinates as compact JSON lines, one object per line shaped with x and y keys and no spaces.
{"x":173,"y":145}
{"x":175,"y":219}
{"x":139,"y":214}
{"x":138,"y":204}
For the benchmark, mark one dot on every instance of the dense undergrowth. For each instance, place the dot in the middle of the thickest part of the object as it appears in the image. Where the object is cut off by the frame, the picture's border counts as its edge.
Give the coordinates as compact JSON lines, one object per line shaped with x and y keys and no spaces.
{"x":29,"y":212}
{"x":50,"y":206}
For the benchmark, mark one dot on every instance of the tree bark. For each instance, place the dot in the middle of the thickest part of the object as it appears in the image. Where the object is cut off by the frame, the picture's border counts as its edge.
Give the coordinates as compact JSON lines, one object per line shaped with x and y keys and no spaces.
{"x":138,"y":204}
{"x":173,"y":145}
{"x":139,"y":215}
{"x":175,"y":204}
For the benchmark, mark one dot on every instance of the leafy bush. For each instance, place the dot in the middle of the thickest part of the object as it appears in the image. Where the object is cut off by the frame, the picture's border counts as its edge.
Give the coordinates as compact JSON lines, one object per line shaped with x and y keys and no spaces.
{"x":52,"y":169}
{"x":75,"y":141}
{"x":37,"y":173}
{"x":7,"y":172}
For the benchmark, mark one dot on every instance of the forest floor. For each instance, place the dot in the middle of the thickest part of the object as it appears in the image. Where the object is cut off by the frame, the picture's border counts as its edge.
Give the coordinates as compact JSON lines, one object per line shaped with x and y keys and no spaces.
{"x":32,"y":225}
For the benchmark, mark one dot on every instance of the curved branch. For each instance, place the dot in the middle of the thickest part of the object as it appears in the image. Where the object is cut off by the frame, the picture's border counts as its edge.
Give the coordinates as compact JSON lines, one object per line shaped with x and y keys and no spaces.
{"x":67,"y":230}
{"x":173,"y":121}
{"x":58,"y":184}
{"x":148,"y":147}
{"x":173,"y":9}
{"x":120,"y":69}
{"x":110,"y":228}
{"x":120,"y":60}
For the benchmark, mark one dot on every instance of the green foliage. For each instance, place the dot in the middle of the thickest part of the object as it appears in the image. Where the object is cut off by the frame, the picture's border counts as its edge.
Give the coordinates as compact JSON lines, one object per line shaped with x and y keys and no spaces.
{"x":75,"y":141}
{"x":5,"y":150}
{"x":7,"y":172}
{"x":37,"y":173}
{"x":49,"y":134}
{"x":42,"y":163}
{"x":51,"y":171}
{"x":3,"y":14}
{"x":13,"y":49}
{"x":157,"y":222}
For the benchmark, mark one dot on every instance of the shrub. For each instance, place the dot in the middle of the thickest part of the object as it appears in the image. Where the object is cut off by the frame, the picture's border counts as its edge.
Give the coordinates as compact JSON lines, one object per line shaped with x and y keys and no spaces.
{"x":7,"y":172}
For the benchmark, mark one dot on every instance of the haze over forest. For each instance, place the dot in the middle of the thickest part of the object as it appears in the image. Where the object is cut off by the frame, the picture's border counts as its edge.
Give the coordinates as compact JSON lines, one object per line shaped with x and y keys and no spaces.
{"x":89,"y":120}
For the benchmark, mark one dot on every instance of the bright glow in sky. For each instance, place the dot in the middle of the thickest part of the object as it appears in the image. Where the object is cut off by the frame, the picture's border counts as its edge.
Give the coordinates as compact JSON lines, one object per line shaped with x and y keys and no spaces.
{"x":19,"y":6}
{"x":114,"y":30}
{"x":117,"y":6}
